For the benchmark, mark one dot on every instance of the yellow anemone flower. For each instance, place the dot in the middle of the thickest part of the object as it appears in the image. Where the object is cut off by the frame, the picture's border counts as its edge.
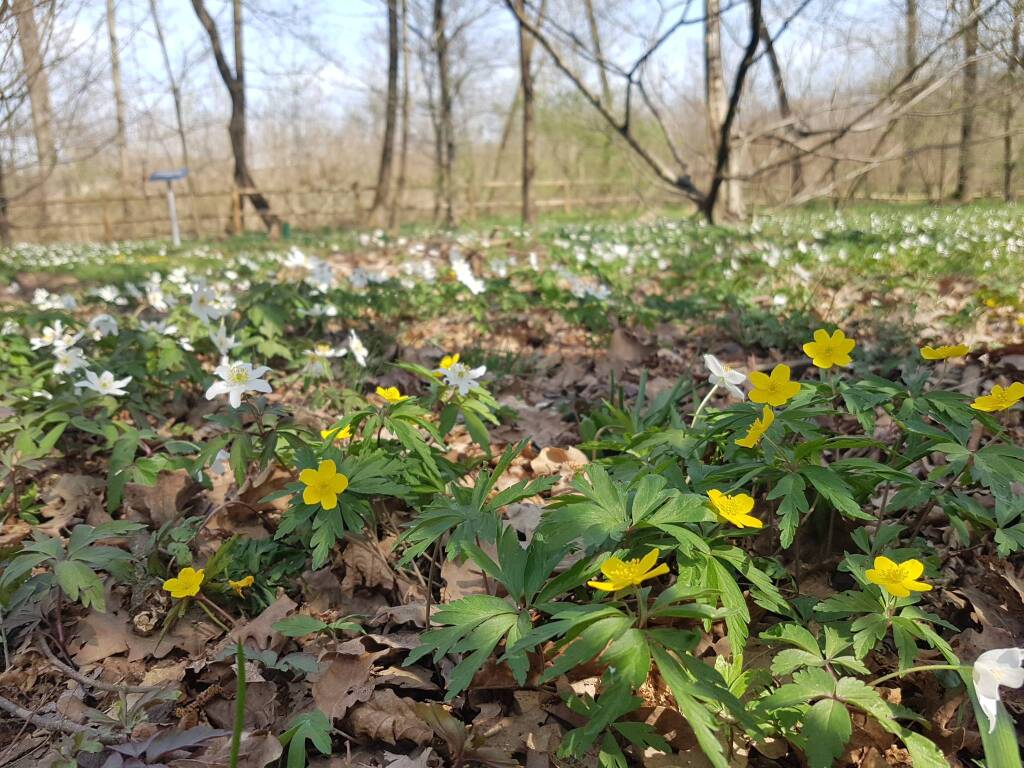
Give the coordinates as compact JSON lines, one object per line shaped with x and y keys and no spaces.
{"x":391,"y":395}
{"x":186,"y":583}
{"x":775,"y":389}
{"x":944,"y":352}
{"x":628,"y":573}
{"x":826,"y":351}
{"x":735,"y":509}
{"x":335,"y":435}
{"x":898,"y":579}
{"x":757,"y":429}
{"x":448,"y":361}
{"x":1000,"y":398}
{"x":323,"y":484}
{"x":241,"y":584}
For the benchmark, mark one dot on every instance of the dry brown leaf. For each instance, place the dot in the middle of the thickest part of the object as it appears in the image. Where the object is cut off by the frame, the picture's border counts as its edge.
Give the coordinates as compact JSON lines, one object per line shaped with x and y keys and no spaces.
{"x":109,"y":634}
{"x":462,"y":579}
{"x":165,"y":500}
{"x":553,"y":461}
{"x":261,"y":628}
{"x":72,"y":498}
{"x":366,"y":565}
{"x":389,"y":718}
{"x":256,"y":750}
{"x":343,"y":680}
{"x":261,"y":708}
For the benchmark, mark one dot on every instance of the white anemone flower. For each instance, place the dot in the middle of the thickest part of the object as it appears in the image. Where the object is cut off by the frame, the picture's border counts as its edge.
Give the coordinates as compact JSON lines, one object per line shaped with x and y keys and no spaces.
{"x":102,"y":326}
{"x":222,"y":341}
{"x":56,"y":335}
{"x":204,"y":303}
{"x":461,"y":377}
{"x":105,"y":383}
{"x":464,"y":273}
{"x":238,"y":379}
{"x":722,"y":375}
{"x":68,"y":359}
{"x":359,"y":350}
{"x":320,"y":357}
{"x":220,"y":463}
{"x":158,"y":326}
{"x":1001,"y":666}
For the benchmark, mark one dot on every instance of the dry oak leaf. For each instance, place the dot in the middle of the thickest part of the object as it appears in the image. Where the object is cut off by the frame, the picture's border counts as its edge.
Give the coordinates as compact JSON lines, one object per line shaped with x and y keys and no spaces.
{"x":164,"y":500}
{"x":256,"y":750}
{"x":344,"y":680}
{"x":110,"y":634}
{"x":261,"y":629}
{"x":72,"y":497}
{"x":389,"y":718}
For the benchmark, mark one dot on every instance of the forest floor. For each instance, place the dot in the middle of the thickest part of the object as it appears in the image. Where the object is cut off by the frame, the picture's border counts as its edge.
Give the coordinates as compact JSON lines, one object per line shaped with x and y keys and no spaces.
{"x":594,"y":401}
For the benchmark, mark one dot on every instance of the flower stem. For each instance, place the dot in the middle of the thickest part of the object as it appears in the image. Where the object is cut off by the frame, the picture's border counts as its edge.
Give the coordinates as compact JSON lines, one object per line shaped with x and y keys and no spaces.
{"x":236,"y":733}
{"x":696,"y":414}
{"x":925,"y":668}
{"x":641,"y":604}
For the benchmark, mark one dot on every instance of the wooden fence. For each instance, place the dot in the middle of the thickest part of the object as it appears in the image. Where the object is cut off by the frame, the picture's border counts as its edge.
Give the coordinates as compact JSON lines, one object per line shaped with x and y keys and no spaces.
{"x":220,"y":212}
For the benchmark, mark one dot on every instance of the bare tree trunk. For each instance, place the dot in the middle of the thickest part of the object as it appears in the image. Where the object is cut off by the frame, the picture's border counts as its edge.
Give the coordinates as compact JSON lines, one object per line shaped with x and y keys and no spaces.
{"x":381,"y":194}
{"x":235,"y":84}
{"x":506,"y":134}
{"x":595,"y":39}
{"x":1010,"y":108}
{"x":5,"y":223}
{"x":38,"y":86}
{"x":526,"y":87}
{"x":606,"y":89}
{"x":115,"y":78}
{"x":718,"y":102}
{"x":178,"y":113}
{"x":445,"y":120}
{"x":965,"y":166}
{"x":796,"y":177}
{"x":403,"y":152}
{"x":909,"y":64}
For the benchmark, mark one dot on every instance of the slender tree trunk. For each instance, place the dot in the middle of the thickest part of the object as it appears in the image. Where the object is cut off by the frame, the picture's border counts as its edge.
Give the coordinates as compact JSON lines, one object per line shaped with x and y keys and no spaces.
{"x":179,"y":114}
{"x":526,"y":87}
{"x":447,"y":137}
{"x":38,"y":86}
{"x":5,"y":223}
{"x":115,"y":78}
{"x":235,"y":84}
{"x":1010,"y":108}
{"x":506,"y":134}
{"x":381,"y":194}
{"x":718,"y":103}
{"x":595,"y":39}
{"x":909,"y":64}
{"x":965,"y":166}
{"x":796,"y":175}
{"x":606,"y":90}
{"x":403,"y":152}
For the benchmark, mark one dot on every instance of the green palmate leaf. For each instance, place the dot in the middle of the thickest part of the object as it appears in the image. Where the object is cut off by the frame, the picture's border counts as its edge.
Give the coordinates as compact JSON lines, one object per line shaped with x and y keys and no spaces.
{"x":474,"y":626}
{"x":80,"y":583}
{"x":684,"y":691}
{"x":794,"y":634}
{"x":793,"y":507}
{"x":835,"y":490}
{"x":312,"y":727}
{"x":827,"y":728}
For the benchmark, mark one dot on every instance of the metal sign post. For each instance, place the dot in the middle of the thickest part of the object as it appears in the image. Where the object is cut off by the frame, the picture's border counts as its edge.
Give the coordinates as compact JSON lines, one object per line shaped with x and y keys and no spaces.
{"x":172,"y":209}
